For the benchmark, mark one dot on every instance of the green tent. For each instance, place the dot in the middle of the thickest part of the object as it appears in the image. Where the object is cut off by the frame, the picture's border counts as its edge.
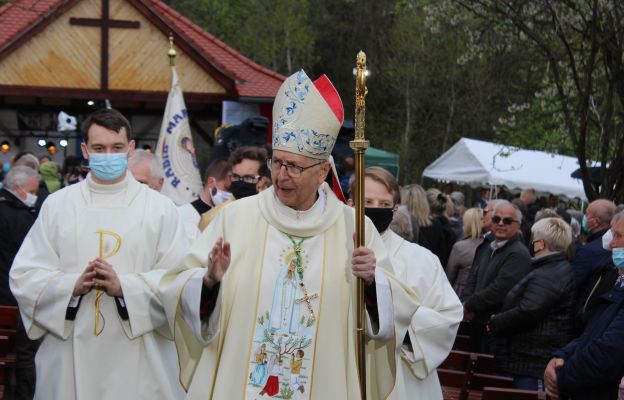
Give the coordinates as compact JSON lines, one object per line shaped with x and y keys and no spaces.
{"x":381,"y":158}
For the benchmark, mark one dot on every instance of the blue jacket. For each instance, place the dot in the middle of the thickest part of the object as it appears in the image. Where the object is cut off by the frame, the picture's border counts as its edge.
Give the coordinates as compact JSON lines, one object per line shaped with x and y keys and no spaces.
{"x":589,"y":259}
{"x":594,"y":362}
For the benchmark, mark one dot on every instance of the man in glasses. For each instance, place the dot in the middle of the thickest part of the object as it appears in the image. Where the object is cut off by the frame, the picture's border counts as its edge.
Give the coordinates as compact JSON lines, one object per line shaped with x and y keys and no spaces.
{"x":497,"y":268}
{"x":249,"y":174}
{"x":276,"y":271}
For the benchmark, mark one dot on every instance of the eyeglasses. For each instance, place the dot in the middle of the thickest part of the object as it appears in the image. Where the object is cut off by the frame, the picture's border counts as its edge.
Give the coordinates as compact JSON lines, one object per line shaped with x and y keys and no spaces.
{"x":294,"y":171}
{"x":507,"y":220}
{"x":245,"y":178}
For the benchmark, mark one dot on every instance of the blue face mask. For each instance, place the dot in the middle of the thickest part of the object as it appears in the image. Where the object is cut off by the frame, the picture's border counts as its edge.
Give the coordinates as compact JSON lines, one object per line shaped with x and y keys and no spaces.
{"x":108,"y":166}
{"x":617,"y":255}
{"x":584,"y":227}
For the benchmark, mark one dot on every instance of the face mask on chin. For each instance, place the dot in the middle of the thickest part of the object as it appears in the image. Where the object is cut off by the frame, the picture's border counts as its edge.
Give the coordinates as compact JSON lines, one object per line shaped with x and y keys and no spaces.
{"x":381,"y":217}
{"x":30,"y":199}
{"x":108,"y":166}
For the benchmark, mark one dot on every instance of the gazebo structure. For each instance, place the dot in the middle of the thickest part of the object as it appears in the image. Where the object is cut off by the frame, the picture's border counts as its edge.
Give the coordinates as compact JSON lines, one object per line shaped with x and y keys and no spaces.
{"x":78,"y":55}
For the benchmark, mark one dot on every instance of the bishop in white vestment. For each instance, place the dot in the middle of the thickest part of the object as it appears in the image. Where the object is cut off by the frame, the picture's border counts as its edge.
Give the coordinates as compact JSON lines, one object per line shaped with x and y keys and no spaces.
{"x":289,"y":289}
{"x":97,"y":346}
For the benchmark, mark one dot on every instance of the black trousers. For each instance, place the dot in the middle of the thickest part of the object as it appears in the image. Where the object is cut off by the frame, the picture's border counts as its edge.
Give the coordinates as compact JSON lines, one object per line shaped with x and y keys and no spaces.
{"x":25,"y":373}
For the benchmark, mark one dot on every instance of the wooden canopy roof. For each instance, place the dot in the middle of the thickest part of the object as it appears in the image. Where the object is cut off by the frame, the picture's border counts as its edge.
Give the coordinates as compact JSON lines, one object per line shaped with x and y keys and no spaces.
{"x":117,"y":50}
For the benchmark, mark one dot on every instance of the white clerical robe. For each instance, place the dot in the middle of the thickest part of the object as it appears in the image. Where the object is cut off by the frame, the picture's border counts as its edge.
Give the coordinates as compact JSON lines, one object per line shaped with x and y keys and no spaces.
{"x":139,"y":232}
{"x":263,"y":335}
{"x":432,"y":328}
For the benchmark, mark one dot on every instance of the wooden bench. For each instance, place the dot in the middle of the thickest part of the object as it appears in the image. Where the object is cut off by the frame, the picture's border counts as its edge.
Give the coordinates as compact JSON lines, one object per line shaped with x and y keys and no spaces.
{"x":8,"y":331}
{"x":494,"y":393}
{"x":462,"y":342}
{"x":454,"y":383}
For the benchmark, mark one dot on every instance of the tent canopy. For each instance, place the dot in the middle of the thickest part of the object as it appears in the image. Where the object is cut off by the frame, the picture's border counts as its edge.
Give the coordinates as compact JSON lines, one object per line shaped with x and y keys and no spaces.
{"x":475,"y":162}
{"x":380,"y":158}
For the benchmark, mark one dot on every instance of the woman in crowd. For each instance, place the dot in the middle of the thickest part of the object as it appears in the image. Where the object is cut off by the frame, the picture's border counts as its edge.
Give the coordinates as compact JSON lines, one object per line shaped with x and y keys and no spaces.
{"x":537,"y":315}
{"x":415,"y":199}
{"x":463,"y":252}
{"x":439,"y":234}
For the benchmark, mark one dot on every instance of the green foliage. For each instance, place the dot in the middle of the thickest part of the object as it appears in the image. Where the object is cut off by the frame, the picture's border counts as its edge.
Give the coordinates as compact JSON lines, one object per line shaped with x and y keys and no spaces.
{"x":274,"y":33}
{"x":535,"y":74}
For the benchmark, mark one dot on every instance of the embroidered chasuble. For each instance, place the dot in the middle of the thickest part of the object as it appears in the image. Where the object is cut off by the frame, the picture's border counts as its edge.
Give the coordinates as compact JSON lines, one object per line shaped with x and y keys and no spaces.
{"x":283,"y":325}
{"x":432,"y":328}
{"x":138,"y":231}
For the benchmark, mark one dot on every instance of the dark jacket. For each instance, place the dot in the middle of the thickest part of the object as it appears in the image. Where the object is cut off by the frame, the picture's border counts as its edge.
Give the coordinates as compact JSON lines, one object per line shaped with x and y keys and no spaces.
{"x":439,"y":238}
{"x":15,"y":221}
{"x":587,"y":306}
{"x":593,"y":363}
{"x":536,"y":319}
{"x":589,"y":259}
{"x":495,"y":273}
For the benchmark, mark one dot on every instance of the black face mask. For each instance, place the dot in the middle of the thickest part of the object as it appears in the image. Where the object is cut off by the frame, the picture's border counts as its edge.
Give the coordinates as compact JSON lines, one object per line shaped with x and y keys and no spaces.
{"x":242,"y":189}
{"x":381,"y":217}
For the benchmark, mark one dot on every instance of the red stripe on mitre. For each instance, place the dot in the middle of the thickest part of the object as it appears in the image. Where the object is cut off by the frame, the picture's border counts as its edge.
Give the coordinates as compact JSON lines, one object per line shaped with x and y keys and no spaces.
{"x":331,"y":96}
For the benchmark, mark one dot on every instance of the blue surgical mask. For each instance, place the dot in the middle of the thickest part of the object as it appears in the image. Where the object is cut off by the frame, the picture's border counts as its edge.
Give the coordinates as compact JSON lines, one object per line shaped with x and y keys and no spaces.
{"x":584,"y":227}
{"x":617,"y":255}
{"x":108,"y":166}
{"x":30,"y":199}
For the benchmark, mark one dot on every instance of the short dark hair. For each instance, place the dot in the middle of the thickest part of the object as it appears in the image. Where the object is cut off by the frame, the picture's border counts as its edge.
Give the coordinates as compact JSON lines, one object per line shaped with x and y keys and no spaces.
{"x":108,"y":118}
{"x":218,"y":169}
{"x":255,"y":153}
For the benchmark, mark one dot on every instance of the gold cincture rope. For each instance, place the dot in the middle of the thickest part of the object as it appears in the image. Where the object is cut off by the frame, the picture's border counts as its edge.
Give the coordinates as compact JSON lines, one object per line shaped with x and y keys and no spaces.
{"x":99,"y":292}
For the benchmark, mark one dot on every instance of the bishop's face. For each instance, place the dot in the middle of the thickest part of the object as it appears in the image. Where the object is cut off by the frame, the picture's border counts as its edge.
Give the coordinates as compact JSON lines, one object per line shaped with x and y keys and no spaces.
{"x":297,"y":192}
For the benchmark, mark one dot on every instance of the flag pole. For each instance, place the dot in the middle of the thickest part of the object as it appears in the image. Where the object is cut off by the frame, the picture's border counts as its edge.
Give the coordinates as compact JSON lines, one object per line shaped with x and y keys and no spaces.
{"x":359,"y":146}
{"x":171,"y":53}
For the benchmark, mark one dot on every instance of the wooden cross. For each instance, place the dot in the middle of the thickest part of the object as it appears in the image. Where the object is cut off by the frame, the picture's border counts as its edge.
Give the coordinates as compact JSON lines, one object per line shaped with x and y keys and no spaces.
{"x":307,"y":299}
{"x":106,"y":24}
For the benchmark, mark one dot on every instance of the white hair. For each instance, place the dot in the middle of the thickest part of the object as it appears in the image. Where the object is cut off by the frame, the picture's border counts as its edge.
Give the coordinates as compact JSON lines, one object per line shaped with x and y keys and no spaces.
{"x":555,"y":232}
{"x":141,"y":156}
{"x":499,"y":203}
{"x":19,"y":176}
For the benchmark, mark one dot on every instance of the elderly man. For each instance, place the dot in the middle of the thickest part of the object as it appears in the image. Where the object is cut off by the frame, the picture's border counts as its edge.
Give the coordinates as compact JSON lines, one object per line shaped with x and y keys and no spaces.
{"x":145,"y":168}
{"x":17,"y":215}
{"x":590,"y":367}
{"x":497,"y":267}
{"x":591,"y":258}
{"x":281,"y":269}
{"x":86,"y":278}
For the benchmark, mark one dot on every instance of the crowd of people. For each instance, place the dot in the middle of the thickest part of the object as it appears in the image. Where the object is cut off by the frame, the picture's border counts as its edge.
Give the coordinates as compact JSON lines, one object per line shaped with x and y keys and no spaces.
{"x":248,"y":291}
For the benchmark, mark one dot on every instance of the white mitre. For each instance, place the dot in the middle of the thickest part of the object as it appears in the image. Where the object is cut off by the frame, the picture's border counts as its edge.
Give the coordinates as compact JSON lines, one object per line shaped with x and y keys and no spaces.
{"x":307,"y":116}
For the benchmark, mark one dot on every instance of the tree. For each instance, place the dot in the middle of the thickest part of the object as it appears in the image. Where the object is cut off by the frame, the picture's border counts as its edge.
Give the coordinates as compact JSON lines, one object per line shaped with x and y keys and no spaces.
{"x":273,"y":33}
{"x":581,"y":43}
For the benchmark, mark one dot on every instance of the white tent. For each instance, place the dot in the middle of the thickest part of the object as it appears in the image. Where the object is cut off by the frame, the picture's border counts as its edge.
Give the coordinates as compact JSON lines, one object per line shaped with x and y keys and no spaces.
{"x":475,"y":162}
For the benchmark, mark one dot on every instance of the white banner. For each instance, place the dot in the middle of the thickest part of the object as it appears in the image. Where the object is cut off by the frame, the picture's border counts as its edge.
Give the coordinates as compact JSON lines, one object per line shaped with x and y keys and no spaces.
{"x":175,"y":150}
